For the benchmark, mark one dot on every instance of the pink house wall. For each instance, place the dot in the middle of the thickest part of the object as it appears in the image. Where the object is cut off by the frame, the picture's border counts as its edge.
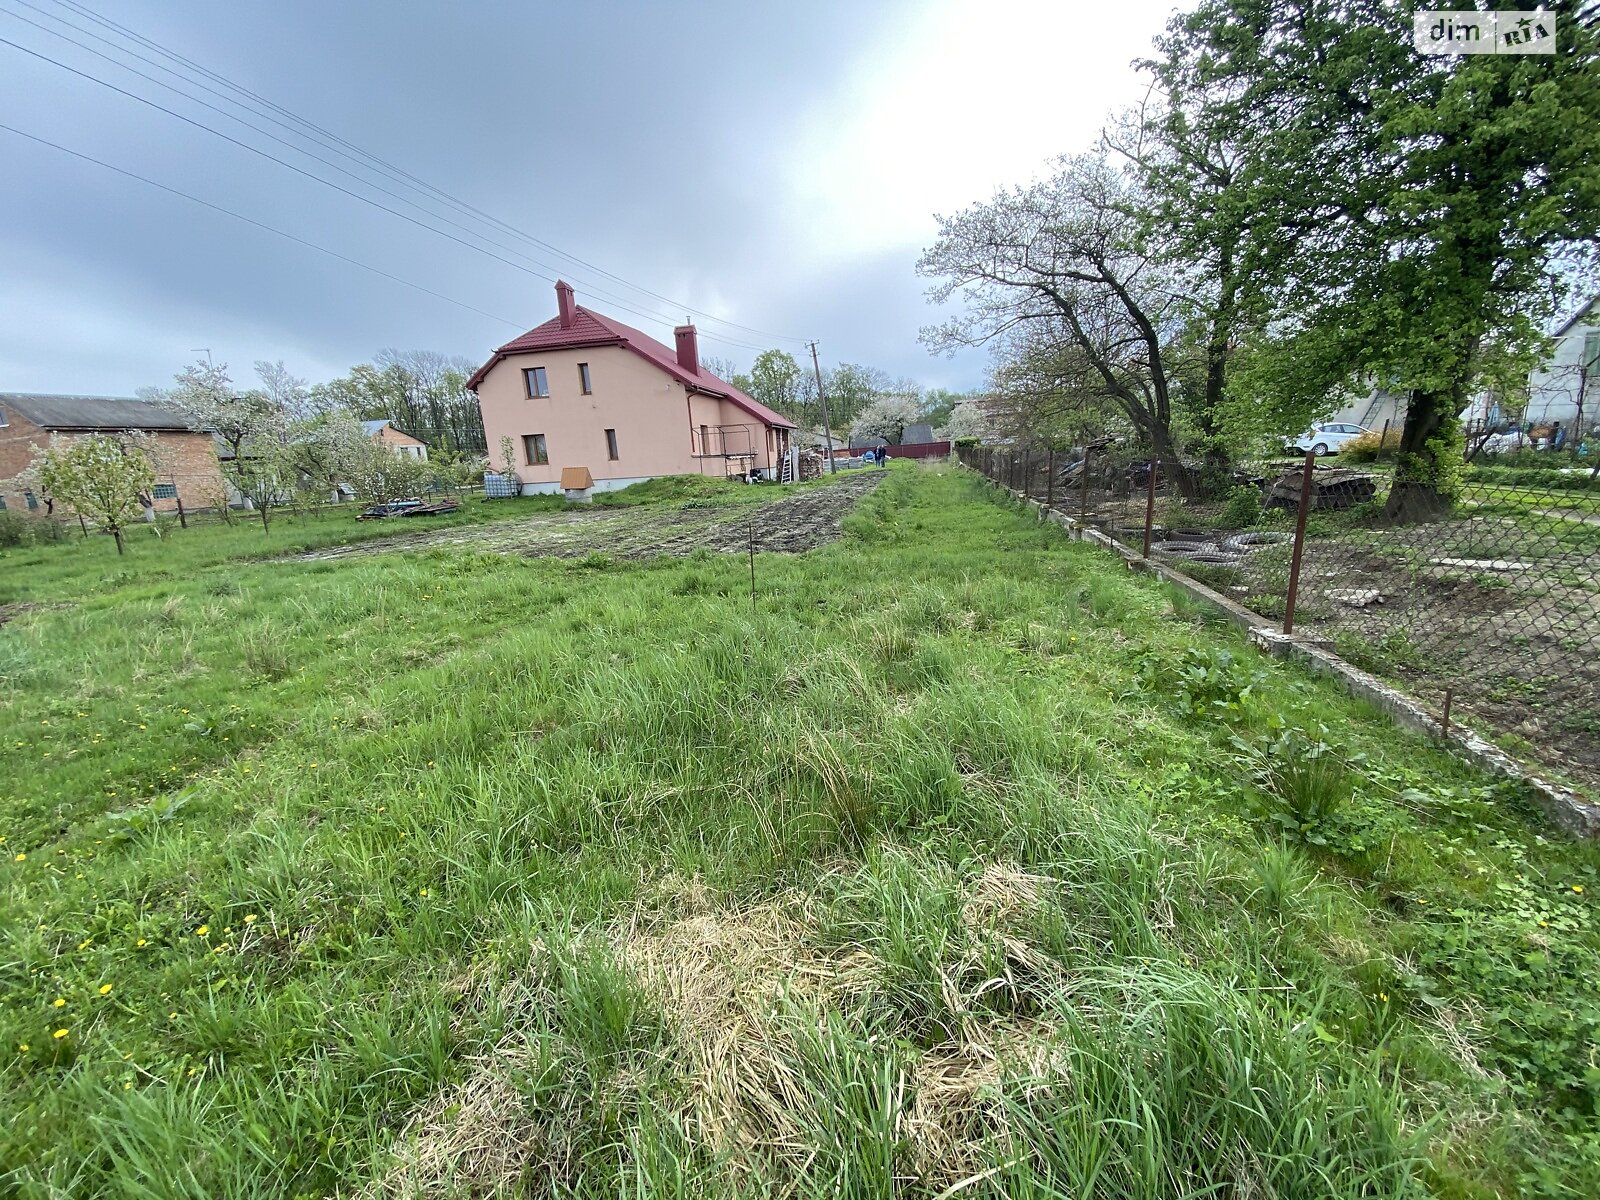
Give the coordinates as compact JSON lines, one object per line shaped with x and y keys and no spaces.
{"x":654,"y":415}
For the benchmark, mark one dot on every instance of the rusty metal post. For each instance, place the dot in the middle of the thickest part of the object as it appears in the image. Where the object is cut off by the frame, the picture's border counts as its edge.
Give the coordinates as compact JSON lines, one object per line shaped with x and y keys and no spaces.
{"x":1383,"y":440}
{"x":1444,"y":725}
{"x":183,"y":521}
{"x":1083,"y":489}
{"x":1299,"y":543}
{"x":1150,"y":506}
{"x":1050,"y":479}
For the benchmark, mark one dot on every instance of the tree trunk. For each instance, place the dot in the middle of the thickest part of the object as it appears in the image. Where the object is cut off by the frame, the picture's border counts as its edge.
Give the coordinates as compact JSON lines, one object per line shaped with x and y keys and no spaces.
{"x":116,"y":533}
{"x":264,"y":509}
{"x":1166,"y":454}
{"x":1416,"y":494}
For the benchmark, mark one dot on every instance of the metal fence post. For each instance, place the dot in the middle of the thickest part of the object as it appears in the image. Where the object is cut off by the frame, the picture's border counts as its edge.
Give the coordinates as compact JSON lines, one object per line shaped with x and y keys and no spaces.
{"x":1027,"y":479}
{"x":1083,"y":489}
{"x":1149,"y":507}
{"x":1050,"y":479}
{"x":1383,"y":440}
{"x":183,"y":521}
{"x":1299,"y":543}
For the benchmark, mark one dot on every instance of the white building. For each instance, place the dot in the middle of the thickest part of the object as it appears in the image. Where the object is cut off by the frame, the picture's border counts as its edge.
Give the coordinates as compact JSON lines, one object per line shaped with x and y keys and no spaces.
{"x":1570,"y":375}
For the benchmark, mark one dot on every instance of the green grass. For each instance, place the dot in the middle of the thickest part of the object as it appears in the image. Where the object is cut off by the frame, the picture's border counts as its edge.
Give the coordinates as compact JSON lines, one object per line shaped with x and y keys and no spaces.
{"x":165,"y":551}
{"x":79,"y":565}
{"x":483,"y":873}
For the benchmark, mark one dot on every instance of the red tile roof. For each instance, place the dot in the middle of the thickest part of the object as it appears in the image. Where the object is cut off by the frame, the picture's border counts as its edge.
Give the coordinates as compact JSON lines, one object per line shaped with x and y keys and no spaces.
{"x":590,"y":328}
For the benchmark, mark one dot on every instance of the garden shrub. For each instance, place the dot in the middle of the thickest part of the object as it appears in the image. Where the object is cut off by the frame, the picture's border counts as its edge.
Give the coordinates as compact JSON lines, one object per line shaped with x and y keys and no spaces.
{"x":1243,"y":508}
{"x":15,"y":530}
{"x":1369,"y":446}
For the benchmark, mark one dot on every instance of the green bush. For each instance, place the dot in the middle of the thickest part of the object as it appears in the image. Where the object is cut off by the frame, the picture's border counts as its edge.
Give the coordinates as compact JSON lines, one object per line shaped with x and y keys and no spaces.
{"x":1533,"y":477}
{"x":1243,"y":508}
{"x":15,"y":530}
{"x":1369,"y":446}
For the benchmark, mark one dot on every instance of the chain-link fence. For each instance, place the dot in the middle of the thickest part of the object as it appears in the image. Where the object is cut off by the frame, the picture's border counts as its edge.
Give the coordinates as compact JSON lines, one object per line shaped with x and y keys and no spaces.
{"x":1490,"y":603}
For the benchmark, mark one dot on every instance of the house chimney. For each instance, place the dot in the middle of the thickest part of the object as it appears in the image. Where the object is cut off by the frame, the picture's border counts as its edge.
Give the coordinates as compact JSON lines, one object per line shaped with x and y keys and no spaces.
{"x":688,"y":349}
{"x":565,"y":303}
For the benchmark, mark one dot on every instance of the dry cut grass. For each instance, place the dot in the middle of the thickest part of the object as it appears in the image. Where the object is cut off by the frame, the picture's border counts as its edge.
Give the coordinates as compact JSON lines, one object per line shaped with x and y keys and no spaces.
{"x":746,"y":996}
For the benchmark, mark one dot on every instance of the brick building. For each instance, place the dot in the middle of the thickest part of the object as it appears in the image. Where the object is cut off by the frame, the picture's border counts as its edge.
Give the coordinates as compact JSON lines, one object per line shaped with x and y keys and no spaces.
{"x":185,"y":458}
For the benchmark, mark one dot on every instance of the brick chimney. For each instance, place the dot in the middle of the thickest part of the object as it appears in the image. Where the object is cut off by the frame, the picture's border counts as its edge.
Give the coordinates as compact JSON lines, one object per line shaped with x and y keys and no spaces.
{"x":688,"y":348}
{"x":565,"y":303}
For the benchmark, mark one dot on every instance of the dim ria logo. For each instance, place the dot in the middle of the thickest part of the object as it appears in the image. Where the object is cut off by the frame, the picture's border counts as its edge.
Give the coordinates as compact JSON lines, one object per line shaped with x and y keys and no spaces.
{"x":1468,"y":31}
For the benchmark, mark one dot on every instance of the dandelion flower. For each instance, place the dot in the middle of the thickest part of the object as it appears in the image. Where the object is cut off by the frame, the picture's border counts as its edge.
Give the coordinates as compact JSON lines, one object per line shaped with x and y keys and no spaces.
{"x":22,"y":1047}
{"x":312,"y":765}
{"x":105,"y":989}
{"x":84,"y":945}
{"x":1384,"y":996}
{"x":202,"y":931}
{"x":59,"y":1002}
{"x":1578,"y":887}
{"x":172,"y":1016}
{"x":59,"y":1034}
{"x":20,"y":858}
{"x":141,"y":942}
{"x":249,"y":918}
{"x":423,"y":893}
{"x":127,"y":1085}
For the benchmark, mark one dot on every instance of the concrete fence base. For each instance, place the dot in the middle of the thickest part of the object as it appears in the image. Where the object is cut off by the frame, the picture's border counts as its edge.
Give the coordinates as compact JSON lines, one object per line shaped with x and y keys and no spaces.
{"x":1566,"y":809}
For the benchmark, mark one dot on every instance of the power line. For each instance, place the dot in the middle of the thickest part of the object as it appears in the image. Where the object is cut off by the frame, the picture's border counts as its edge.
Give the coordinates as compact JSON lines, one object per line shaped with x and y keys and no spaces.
{"x":331,"y":184}
{"x":260,"y":225}
{"x":322,"y":137}
{"x":362,"y":181}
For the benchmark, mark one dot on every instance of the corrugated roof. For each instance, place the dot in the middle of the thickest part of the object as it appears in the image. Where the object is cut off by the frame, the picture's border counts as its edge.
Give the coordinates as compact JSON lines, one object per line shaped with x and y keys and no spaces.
{"x":920,"y":434}
{"x":590,"y":328}
{"x":371,"y":427}
{"x":93,"y":412}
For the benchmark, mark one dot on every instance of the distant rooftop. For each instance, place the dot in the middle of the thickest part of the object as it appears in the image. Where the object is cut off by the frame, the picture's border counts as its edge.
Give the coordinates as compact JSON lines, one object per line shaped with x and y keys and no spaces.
{"x":92,"y":412}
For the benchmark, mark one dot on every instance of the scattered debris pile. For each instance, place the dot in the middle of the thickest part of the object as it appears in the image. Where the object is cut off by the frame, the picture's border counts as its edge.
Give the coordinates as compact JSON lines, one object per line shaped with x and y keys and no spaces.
{"x":1331,"y":487}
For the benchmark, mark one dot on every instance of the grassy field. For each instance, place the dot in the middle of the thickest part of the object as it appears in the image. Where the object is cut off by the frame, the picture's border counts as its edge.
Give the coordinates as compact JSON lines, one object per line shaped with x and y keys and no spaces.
{"x":960,"y":862}
{"x":78,"y":566}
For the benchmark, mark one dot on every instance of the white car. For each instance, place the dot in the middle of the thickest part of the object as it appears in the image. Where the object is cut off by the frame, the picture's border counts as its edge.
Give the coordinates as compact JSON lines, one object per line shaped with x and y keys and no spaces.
{"x":1328,"y":437}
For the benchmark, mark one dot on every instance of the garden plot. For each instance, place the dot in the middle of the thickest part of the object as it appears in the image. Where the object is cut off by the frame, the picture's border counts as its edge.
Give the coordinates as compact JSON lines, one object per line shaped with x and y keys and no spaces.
{"x":789,"y":522}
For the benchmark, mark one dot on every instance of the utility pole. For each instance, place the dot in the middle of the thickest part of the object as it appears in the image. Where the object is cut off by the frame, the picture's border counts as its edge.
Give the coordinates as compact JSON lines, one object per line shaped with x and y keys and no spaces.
{"x":822,"y":400}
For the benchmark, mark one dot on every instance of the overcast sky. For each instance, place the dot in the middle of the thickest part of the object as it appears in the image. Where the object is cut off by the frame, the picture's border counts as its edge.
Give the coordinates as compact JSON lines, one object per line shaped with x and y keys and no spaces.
{"x":774,"y":166}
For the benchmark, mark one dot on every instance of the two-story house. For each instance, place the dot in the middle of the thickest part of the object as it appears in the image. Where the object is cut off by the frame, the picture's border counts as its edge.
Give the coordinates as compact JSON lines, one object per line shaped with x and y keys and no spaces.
{"x":583,"y":390}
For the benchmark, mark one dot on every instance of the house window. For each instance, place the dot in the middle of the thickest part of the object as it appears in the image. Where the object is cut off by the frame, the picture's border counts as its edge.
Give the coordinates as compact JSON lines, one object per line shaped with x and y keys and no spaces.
{"x":533,"y":446}
{"x":611,"y":445}
{"x":166,"y":491}
{"x":705,"y":439}
{"x":583,"y":378}
{"x":538,"y":382}
{"x":33,"y":501}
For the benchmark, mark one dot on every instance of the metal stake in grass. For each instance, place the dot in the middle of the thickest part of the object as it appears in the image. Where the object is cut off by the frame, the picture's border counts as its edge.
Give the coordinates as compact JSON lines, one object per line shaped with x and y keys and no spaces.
{"x":752,"y":566}
{"x":1150,"y":506}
